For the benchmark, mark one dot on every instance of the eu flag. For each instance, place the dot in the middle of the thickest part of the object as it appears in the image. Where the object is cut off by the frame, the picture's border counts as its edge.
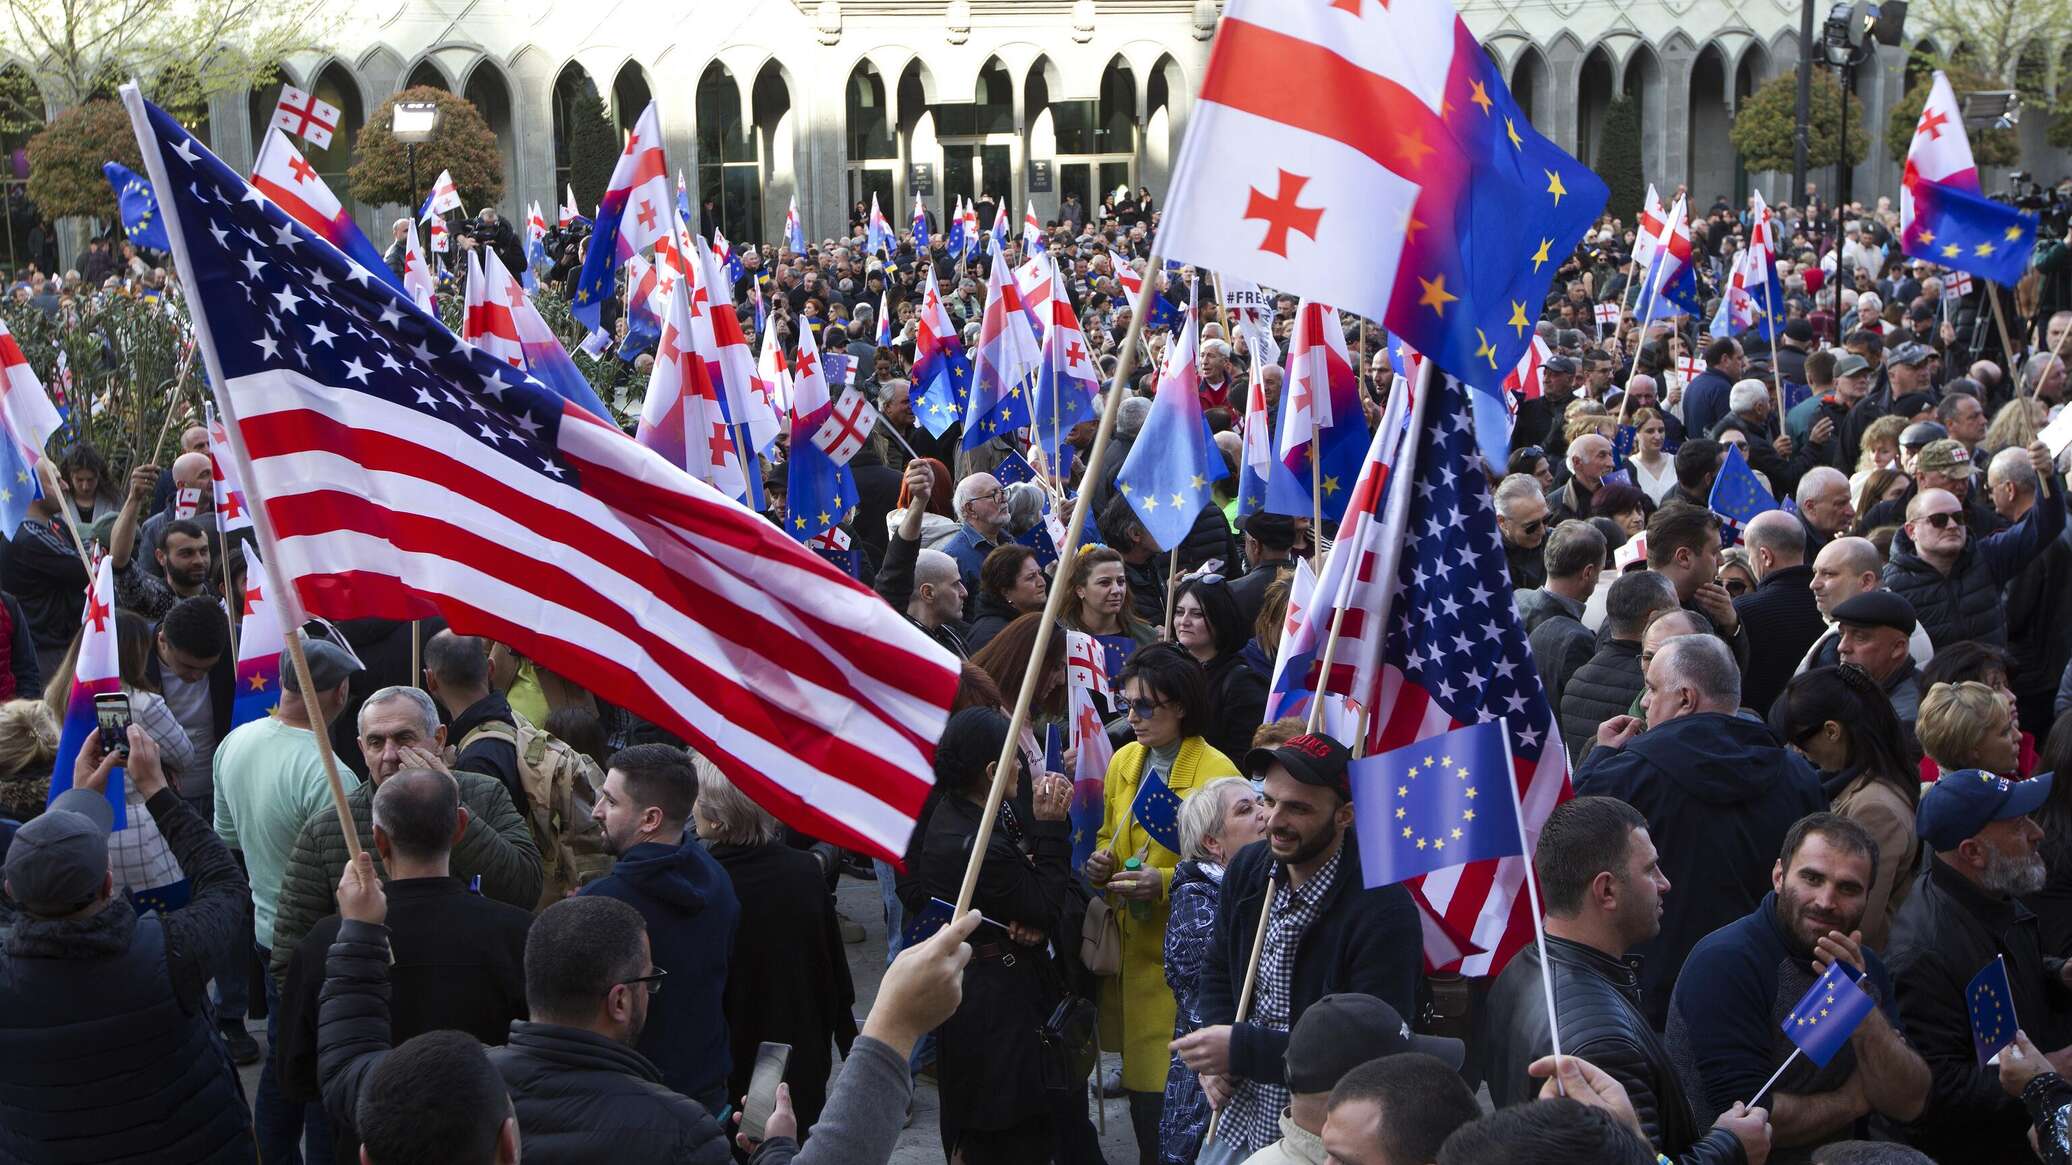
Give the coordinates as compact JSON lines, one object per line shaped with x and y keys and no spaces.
{"x":1737,"y":494}
{"x":1970,"y":232}
{"x":1827,"y":1014}
{"x":1167,"y":474}
{"x":1443,"y":801}
{"x":138,"y":207}
{"x":1990,"y":999}
{"x":1157,"y":810}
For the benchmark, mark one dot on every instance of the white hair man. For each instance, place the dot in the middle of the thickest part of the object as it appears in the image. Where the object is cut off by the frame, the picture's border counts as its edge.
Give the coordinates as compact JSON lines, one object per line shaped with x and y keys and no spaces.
{"x":1521,"y":519}
{"x":1824,"y":506}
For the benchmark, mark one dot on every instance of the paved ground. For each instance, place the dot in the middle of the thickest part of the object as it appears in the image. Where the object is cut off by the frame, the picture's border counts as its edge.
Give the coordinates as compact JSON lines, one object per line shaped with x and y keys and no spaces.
{"x":919,"y":1144}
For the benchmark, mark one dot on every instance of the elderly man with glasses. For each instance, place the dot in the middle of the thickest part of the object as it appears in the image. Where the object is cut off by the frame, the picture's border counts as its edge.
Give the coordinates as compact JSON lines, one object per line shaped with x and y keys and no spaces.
{"x":981,"y":505}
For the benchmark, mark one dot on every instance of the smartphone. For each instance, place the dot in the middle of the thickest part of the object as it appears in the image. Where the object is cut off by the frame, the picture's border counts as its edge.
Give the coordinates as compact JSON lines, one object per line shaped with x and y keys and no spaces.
{"x":112,"y":713}
{"x":770,"y":1060}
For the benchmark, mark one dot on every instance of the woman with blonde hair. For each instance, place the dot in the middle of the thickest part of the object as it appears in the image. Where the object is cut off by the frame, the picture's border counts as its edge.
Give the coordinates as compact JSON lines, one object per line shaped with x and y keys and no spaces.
{"x":1968,"y":726}
{"x":2014,"y":427}
{"x":28,"y":749}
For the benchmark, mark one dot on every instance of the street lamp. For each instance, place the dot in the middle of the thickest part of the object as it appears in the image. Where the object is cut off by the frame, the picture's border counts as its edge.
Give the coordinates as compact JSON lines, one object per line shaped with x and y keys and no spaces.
{"x":415,"y":123}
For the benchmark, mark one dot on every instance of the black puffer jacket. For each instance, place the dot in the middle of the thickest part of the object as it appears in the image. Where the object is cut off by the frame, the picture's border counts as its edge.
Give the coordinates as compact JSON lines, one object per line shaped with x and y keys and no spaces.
{"x":106,"y":1047}
{"x":1599,"y":1001}
{"x":581,"y":1098}
{"x":1966,"y":603}
{"x":992,"y":618}
{"x":1599,"y":690}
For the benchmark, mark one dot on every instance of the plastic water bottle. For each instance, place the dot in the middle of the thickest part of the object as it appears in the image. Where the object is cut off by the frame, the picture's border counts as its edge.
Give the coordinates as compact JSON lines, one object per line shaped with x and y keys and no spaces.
{"x":1139,"y":909}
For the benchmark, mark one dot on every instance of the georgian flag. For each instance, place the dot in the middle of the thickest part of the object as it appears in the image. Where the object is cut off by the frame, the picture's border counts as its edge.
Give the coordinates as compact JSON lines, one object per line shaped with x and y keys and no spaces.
{"x":304,"y":116}
{"x":1940,"y":153}
{"x":847,"y":427}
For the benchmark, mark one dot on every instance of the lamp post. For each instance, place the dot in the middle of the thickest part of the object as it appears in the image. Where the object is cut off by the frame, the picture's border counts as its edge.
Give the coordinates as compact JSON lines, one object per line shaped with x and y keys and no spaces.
{"x":415,"y":123}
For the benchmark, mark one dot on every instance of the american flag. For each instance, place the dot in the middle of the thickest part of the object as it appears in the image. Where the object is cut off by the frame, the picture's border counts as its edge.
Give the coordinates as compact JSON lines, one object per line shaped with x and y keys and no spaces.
{"x":1456,"y":655}
{"x":401,"y":473}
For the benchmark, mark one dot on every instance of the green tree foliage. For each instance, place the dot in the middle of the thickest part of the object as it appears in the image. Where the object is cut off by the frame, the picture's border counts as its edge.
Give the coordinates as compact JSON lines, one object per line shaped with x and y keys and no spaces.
{"x":463,"y":145}
{"x":1762,"y":132}
{"x":1990,"y":147}
{"x":593,"y":149}
{"x":184,"y":50}
{"x":65,"y":159}
{"x":1618,"y":159}
{"x":125,"y":358}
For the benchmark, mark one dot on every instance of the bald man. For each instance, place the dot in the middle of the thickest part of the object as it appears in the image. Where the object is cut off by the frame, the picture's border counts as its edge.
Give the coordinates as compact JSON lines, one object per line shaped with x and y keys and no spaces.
{"x":1845,"y":568}
{"x":1782,"y":619}
{"x":1825,"y":510}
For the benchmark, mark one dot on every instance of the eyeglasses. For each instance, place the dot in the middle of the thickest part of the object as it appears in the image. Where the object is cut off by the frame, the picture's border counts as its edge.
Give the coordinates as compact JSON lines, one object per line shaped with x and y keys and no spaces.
{"x":997,"y":495}
{"x":1943,"y":520}
{"x":1144,"y":708}
{"x":1530,"y":453}
{"x":652,"y":980}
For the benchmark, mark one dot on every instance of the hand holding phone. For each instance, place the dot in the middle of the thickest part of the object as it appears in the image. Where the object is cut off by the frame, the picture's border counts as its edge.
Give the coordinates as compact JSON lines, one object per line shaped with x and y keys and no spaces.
{"x":761,"y":1102}
{"x":112,"y":713}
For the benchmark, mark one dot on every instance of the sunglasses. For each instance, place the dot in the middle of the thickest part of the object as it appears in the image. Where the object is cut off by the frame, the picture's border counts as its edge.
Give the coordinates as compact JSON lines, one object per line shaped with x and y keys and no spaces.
{"x":1532,"y":527}
{"x":652,"y":980}
{"x":1144,"y":708}
{"x":1531,"y":453}
{"x":1735,"y":587}
{"x":1943,"y":520}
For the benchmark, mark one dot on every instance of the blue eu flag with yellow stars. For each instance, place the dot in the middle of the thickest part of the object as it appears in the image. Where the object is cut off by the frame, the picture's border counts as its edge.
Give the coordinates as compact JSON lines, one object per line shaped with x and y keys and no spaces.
{"x":1157,"y":810}
{"x":1827,"y":1014}
{"x":1440,"y":802}
{"x":138,"y":207}
{"x":1738,"y":495}
{"x":1970,"y":232}
{"x":1990,"y":999}
{"x":1167,"y":474}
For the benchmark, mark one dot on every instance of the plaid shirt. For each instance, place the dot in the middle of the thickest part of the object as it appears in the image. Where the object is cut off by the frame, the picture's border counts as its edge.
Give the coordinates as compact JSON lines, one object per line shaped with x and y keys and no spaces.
{"x":1251,"y":1121}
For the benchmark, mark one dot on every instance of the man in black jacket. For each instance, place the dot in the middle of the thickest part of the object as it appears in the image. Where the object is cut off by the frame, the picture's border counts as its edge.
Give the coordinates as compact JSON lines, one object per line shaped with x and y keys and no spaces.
{"x":1966,"y":911}
{"x":1683,"y":546}
{"x":1602,"y":886}
{"x":1270,"y":554}
{"x":96,"y":1000}
{"x":582,"y":1093}
{"x":922,"y":583}
{"x":1328,"y":934}
{"x":456,"y":673}
{"x":1782,"y":618}
{"x":1718,"y":791}
{"x":1607,"y":684}
{"x":458,"y":957}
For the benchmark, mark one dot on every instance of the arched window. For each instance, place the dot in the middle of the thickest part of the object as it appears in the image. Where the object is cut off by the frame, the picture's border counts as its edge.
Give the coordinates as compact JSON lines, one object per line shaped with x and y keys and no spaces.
{"x":572,"y":86}
{"x":873,"y":146}
{"x":730,"y":187}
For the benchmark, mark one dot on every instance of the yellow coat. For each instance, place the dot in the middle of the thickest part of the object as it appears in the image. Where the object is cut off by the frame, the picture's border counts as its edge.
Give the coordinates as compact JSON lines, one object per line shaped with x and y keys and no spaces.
{"x":1137,"y":1006}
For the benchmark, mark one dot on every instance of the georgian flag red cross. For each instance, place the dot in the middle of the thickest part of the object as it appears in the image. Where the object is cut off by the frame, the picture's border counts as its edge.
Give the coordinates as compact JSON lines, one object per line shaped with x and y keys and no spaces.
{"x":306,"y":117}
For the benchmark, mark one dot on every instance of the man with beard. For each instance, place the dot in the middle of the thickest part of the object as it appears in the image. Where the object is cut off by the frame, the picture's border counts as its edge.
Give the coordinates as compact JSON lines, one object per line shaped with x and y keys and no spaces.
{"x":687,"y":901}
{"x":1965,"y":912}
{"x":1603,"y":886}
{"x":1328,"y":934}
{"x":1726,"y":1018}
{"x":178,"y":570}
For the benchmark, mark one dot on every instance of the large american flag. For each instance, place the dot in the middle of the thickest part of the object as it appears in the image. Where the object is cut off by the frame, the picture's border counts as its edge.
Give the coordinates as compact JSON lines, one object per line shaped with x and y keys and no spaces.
{"x":1456,"y":655}
{"x":408,"y":474}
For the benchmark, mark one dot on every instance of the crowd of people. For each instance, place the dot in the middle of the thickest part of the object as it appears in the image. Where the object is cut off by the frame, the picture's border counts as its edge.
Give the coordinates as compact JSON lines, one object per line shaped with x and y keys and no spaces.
{"x":1822,"y":734}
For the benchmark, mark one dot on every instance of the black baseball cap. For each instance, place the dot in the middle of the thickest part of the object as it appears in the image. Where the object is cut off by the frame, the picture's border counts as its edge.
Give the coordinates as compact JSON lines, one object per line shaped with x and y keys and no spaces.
{"x":1340,"y":1032}
{"x":1312,"y":758}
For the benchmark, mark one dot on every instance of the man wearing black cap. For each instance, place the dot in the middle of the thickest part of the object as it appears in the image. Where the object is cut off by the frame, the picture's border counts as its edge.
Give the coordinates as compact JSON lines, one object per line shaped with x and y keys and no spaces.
{"x":1965,"y":912}
{"x":105,"y":1004}
{"x":1792,"y":350}
{"x":269,"y":781}
{"x":1875,"y":631}
{"x":1911,"y":371}
{"x":1270,"y":548}
{"x":1336,"y":1035}
{"x":1326,"y":934}
{"x":1602,"y":884}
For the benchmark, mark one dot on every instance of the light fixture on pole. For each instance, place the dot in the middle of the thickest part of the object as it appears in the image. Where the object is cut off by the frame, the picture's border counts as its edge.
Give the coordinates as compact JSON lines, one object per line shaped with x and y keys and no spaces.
{"x":415,"y":123}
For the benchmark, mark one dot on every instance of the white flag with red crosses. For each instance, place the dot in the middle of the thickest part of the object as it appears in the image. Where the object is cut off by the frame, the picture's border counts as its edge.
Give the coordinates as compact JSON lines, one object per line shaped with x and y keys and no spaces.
{"x":306,"y":117}
{"x":847,"y":427}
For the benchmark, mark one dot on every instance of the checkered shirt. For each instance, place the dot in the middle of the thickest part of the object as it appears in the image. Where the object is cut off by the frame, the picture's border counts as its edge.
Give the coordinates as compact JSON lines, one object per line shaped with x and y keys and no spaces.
{"x":1251,"y":1121}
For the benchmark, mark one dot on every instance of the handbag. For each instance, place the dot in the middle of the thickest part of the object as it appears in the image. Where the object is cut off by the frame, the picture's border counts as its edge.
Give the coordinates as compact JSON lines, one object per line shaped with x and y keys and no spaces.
{"x":1070,"y":1046}
{"x":1100,"y":938}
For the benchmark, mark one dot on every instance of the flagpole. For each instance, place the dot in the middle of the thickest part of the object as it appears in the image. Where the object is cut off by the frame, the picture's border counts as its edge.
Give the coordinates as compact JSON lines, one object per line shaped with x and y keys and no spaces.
{"x":1532,"y":890}
{"x":1053,"y":605}
{"x":2000,"y":320}
{"x":1774,"y":1076}
{"x":1776,"y":367}
{"x":52,"y":488}
{"x":1244,"y":995}
{"x":287,"y":604}
{"x":1640,"y":340}
{"x":1418,"y":393}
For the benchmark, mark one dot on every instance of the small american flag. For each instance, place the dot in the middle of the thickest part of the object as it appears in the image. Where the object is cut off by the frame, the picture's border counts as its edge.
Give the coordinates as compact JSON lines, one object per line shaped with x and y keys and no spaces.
{"x":401,"y":473}
{"x":1456,"y":655}
{"x":306,"y":117}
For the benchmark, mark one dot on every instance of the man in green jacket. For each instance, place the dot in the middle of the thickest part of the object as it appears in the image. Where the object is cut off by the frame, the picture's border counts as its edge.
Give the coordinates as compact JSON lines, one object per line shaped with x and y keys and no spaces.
{"x":400,"y":729}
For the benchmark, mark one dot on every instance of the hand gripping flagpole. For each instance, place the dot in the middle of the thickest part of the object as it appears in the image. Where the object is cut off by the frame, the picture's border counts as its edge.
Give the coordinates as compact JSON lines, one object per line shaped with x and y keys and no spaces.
{"x":287,"y":604}
{"x":1244,"y":995}
{"x":1125,"y":364}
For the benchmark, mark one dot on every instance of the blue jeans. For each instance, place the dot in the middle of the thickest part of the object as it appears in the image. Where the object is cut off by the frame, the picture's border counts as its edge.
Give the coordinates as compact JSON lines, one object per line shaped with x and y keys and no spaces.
{"x":279,"y":1123}
{"x":895,"y":916}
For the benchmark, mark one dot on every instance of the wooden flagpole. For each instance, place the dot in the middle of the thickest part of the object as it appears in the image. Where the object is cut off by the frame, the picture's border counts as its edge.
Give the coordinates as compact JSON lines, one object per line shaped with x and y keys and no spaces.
{"x":53,"y":488}
{"x":1244,"y":995}
{"x":1532,"y":888}
{"x":1776,"y":368}
{"x":287,"y":604}
{"x":1053,"y":605}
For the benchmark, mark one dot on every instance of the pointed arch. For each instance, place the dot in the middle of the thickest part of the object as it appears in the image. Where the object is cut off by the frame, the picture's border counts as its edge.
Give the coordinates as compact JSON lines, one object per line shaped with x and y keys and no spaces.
{"x":489,"y":91}
{"x":571,"y":85}
{"x":1712,"y":158}
{"x":729,"y":157}
{"x":1593,"y":98}
{"x":631,"y":93}
{"x":428,"y":72}
{"x":25,"y":110}
{"x":1530,"y":83}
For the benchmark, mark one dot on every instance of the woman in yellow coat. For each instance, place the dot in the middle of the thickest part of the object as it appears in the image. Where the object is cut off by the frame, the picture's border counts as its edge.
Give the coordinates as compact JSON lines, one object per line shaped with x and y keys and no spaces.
{"x":1167,"y":698}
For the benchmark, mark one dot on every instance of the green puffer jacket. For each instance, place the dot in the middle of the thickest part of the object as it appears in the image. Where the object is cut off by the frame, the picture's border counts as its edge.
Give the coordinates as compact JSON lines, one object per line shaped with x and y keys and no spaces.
{"x":497,"y":845}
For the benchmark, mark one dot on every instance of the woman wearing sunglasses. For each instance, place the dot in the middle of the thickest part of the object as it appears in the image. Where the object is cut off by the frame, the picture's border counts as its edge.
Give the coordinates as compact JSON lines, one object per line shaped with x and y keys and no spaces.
{"x":1207,"y":624}
{"x":1166,"y":696}
{"x":1843,"y":722}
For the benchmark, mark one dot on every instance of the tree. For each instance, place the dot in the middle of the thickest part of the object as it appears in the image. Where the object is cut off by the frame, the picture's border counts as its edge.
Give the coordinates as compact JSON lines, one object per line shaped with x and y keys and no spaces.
{"x":463,"y":145}
{"x":184,"y":50}
{"x":593,"y":150}
{"x":1990,"y":147}
{"x":65,"y":159}
{"x":1618,"y":159}
{"x":1762,"y":132}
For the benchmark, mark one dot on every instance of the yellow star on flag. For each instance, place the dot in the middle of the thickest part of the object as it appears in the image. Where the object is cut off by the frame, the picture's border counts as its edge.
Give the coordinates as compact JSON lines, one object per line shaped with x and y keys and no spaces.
{"x":1982,"y":249}
{"x":1926,"y":236}
{"x":1540,"y":256}
{"x":2014,"y":234}
{"x":1951,"y":250}
{"x":1479,"y":94}
{"x":1554,"y":186}
{"x":1511,"y":131}
{"x":1517,"y":321}
{"x":1435,"y":294}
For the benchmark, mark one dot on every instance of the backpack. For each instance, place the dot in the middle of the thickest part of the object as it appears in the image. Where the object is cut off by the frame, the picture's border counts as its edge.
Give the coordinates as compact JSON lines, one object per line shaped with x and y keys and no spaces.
{"x":560,"y":787}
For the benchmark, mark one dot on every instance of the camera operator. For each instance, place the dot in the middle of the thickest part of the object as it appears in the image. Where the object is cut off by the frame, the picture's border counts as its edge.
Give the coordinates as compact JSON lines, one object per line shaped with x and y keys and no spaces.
{"x":490,"y":230}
